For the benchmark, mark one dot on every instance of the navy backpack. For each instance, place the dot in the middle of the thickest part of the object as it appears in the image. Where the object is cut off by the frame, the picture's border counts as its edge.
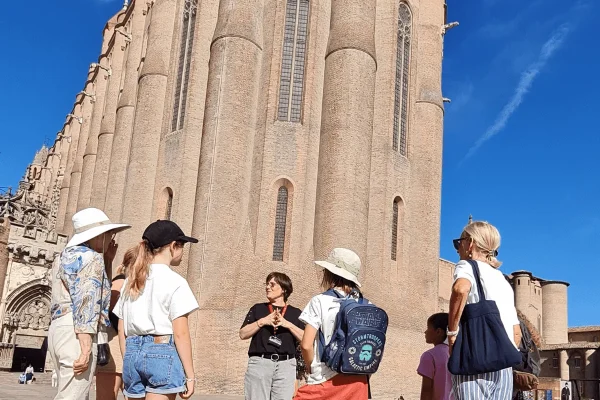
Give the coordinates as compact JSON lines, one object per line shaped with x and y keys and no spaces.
{"x":358,"y":339}
{"x":482,"y":344}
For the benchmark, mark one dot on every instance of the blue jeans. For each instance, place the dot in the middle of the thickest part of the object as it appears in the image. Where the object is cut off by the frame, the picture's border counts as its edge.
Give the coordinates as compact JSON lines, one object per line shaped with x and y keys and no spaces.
{"x":151,"y":367}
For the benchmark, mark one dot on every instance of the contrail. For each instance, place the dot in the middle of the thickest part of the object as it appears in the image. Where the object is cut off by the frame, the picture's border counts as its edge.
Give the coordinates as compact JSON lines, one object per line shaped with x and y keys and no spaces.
{"x":527,"y":77}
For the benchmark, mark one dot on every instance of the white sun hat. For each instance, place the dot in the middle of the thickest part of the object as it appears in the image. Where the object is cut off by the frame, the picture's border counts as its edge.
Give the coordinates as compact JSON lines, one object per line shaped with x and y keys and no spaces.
{"x":344,"y":263}
{"x":92,"y":222}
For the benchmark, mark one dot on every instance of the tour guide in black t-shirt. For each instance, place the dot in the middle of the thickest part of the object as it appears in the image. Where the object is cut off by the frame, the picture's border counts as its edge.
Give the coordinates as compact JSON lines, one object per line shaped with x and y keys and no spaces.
{"x":275,"y":331}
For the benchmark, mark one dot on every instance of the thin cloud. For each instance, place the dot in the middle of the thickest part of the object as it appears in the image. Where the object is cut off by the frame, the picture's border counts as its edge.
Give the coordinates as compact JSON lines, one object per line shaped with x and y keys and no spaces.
{"x":463,"y":97}
{"x":527,"y":77}
{"x":501,"y":29}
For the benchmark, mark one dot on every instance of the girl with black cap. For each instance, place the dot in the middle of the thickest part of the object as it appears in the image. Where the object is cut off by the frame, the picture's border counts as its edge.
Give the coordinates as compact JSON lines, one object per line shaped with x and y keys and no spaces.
{"x":153,"y":318}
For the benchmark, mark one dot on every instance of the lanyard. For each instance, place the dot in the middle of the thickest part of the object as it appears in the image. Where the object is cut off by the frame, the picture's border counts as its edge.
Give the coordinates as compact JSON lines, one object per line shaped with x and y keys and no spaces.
{"x":282,"y":311}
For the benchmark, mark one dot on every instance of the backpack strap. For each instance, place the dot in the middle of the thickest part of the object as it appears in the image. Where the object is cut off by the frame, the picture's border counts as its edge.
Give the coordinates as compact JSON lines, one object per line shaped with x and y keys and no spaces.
{"x":333,"y":293}
{"x":477,"y":277}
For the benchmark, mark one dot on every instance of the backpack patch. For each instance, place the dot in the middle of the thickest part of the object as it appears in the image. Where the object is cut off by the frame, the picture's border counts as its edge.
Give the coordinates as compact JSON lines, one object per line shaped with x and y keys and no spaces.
{"x":358,"y":340}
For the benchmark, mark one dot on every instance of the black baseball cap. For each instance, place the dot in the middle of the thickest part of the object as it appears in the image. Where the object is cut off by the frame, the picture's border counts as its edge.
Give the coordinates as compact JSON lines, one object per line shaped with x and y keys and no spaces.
{"x":163,"y":232}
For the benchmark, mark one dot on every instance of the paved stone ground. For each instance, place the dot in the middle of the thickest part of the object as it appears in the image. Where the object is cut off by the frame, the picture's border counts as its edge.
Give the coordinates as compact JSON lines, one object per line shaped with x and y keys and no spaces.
{"x":42,"y":389}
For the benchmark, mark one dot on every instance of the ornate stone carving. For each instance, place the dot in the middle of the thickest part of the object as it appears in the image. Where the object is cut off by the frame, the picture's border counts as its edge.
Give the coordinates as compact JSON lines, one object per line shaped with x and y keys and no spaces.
{"x":31,"y":342}
{"x":11,"y":324}
{"x":55,"y":199}
{"x":35,"y":316}
{"x":28,"y":207}
{"x":47,"y":279}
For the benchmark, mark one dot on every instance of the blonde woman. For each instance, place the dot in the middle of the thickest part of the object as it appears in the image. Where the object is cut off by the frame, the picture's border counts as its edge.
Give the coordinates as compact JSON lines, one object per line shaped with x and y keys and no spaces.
{"x":479,"y":242}
{"x":109,"y":379}
{"x":153,"y":314}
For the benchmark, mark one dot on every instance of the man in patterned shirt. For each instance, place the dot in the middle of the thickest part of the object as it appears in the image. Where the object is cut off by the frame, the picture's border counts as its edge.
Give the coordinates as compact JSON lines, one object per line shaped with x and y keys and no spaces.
{"x":80,"y":301}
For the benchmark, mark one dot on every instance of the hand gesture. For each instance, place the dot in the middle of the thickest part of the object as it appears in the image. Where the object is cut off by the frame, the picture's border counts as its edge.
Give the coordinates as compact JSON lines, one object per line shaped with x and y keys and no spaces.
{"x":189,"y":391}
{"x":280,"y":321}
{"x":269,"y":320}
{"x":111,"y":251}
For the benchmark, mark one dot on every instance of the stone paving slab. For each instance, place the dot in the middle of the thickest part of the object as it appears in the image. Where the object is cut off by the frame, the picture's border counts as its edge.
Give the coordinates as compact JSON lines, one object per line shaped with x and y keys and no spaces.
{"x":10,"y":389}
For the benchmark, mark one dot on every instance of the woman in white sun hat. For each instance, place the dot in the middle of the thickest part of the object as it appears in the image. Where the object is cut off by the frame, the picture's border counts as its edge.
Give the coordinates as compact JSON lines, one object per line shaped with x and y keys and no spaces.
{"x":80,"y":301}
{"x":340,"y":273}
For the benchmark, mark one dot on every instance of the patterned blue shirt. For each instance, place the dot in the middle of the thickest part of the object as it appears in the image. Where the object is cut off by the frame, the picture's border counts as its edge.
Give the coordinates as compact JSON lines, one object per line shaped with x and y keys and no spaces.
{"x":81,"y":287}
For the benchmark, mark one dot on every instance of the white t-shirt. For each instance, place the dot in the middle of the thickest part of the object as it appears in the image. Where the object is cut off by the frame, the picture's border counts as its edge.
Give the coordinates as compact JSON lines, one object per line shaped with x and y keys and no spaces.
{"x":166,"y":296}
{"x":320,"y":313}
{"x":496,"y":288}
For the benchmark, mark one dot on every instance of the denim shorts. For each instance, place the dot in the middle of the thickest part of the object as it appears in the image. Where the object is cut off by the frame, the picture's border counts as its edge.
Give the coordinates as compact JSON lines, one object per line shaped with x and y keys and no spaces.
{"x":151,"y":368}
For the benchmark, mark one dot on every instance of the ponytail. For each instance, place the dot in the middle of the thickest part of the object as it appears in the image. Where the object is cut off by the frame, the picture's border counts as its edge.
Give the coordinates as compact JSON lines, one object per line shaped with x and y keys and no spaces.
{"x":138,"y":271}
{"x":491,"y":259}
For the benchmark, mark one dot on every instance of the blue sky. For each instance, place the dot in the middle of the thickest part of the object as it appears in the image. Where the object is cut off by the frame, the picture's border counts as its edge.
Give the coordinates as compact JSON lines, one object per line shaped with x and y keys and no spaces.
{"x":521,"y":138}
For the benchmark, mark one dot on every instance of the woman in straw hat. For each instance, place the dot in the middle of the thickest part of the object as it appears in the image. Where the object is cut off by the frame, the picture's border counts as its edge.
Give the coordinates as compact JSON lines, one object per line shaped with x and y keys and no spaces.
{"x":340,"y":272}
{"x":80,"y":301}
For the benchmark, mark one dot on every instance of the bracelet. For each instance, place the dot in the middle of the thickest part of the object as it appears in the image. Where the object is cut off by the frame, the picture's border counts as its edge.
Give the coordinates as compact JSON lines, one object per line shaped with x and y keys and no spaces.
{"x":452,"y":333}
{"x":190,"y":379}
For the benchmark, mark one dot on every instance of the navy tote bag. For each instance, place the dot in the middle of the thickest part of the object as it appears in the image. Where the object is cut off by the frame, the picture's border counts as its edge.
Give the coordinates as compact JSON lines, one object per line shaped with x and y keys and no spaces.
{"x":482,"y":344}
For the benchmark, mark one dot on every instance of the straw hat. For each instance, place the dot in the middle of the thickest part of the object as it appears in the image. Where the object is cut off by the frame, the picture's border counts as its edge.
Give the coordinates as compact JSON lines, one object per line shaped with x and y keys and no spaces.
{"x":344,"y":263}
{"x":92,"y":222}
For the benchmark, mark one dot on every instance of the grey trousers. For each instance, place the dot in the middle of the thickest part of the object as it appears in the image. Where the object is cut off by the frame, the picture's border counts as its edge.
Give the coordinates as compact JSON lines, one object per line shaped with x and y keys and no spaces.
{"x":269,"y":380}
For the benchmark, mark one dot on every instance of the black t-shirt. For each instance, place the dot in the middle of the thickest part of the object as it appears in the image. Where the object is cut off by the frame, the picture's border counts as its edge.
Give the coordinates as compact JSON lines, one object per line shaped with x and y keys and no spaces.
{"x":114,"y":320}
{"x":260,"y":341}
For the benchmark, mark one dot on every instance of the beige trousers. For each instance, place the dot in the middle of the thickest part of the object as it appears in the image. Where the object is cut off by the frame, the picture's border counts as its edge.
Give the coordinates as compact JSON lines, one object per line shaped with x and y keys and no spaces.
{"x":64,"y":350}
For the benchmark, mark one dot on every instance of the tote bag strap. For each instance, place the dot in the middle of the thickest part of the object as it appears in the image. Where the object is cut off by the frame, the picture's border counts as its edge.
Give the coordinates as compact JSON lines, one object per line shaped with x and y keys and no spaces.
{"x":477,"y":276}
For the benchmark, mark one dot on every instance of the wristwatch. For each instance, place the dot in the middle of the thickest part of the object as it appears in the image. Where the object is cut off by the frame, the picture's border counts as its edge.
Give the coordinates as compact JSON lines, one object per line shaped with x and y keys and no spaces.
{"x":452,"y":333}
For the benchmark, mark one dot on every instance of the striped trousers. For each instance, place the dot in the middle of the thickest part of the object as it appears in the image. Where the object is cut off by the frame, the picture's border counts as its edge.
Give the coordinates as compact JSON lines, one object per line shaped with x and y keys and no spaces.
{"x":489,"y":386}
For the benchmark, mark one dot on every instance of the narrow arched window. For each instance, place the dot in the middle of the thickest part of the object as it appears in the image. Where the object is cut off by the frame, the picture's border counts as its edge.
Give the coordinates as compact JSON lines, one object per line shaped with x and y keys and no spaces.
{"x":169,"y":205}
{"x":165,"y":204}
{"x":280,"y":224}
{"x":402,"y":76}
{"x":188,"y":25}
{"x":396,"y":218}
{"x":293,"y":58}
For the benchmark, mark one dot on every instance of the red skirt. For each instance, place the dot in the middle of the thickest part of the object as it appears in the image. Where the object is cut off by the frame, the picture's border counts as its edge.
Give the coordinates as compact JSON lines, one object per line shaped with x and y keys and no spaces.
{"x":340,"y":387}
